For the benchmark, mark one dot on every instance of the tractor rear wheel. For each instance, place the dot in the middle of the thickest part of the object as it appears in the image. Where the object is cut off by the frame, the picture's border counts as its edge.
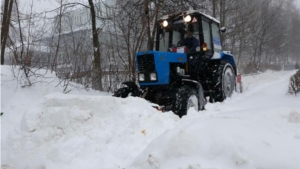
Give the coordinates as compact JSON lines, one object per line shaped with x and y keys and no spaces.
{"x":223,"y":80}
{"x":185,"y":97}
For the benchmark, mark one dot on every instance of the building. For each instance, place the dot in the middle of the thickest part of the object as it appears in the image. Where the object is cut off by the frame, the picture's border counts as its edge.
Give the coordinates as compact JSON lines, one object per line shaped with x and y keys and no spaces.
{"x":75,"y":53}
{"x":80,"y":18}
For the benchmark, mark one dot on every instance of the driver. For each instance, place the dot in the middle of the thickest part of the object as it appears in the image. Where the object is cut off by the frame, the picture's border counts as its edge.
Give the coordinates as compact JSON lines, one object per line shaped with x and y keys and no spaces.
{"x":190,"y":42}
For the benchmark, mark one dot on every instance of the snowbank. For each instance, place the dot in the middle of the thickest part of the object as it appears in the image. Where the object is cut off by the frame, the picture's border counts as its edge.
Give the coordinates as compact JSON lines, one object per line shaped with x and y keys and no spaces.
{"x":44,"y":128}
{"x":254,"y":138}
{"x":73,"y":131}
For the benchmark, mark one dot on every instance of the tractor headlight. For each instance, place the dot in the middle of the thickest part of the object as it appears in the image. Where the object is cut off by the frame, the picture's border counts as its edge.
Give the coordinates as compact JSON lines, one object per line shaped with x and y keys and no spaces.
{"x":153,"y":77}
{"x":187,"y":18}
{"x":141,"y":77}
{"x":165,"y":23}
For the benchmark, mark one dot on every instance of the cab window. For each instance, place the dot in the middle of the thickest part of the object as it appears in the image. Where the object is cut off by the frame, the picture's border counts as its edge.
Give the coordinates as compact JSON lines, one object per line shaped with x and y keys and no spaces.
{"x":164,"y":41}
{"x":206,"y":34}
{"x":216,"y":37}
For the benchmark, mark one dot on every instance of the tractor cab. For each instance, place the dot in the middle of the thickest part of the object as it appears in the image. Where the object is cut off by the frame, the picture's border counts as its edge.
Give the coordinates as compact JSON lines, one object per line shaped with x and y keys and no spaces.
{"x":173,"y":30}
{"x":172,"y":36}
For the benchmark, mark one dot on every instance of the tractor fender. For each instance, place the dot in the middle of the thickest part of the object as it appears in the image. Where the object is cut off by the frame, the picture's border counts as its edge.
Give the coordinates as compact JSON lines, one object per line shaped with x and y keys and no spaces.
{"x":201,"y":98}
{"x":225,"y":55}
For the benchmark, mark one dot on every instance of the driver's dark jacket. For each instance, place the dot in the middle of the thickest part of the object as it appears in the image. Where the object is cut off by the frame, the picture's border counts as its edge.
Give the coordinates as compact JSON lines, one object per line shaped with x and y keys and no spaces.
{"x":191,"y":43}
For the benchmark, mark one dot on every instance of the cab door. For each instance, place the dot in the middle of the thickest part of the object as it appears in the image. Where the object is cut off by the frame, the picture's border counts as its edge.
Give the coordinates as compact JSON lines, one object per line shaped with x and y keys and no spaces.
{"x":216,"y":39}
{"x":207,"y":37}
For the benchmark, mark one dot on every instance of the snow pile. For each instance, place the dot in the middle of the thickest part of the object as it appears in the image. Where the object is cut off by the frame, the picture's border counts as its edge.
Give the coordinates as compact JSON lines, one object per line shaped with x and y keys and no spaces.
{"x":16,"y":100}
{"x":259,"y":128}
{"x":73,"y":131}
{"x":226,"y":141}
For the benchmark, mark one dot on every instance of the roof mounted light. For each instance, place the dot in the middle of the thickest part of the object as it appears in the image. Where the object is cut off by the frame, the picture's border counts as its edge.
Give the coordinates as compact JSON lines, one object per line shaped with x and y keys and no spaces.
{"x":187,"y":18}
{"x":165,"y":23}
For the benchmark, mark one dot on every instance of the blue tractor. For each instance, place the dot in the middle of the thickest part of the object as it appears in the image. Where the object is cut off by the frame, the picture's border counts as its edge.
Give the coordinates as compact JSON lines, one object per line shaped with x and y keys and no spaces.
{"x":177,"y":77}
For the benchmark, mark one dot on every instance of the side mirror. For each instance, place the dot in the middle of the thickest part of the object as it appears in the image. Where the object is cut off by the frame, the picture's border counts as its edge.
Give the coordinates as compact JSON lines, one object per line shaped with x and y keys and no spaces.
{"x":223,"y":29}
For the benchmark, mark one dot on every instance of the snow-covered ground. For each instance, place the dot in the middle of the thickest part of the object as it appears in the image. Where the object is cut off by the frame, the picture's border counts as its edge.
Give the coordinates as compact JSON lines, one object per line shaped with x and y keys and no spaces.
{"x":45,"y":129}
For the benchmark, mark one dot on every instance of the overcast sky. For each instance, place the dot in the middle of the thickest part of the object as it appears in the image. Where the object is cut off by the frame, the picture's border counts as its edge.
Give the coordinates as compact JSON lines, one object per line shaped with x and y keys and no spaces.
{"x":298,"y":2}
{"x":46,"y":5}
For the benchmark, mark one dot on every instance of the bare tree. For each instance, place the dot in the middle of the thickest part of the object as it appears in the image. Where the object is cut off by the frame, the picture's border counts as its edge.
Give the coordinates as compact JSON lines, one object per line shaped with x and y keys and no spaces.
{"x":97,"y":72}
{"x":101,"y":52}
{"x":7,"y":9}
{"x":132,"y":27}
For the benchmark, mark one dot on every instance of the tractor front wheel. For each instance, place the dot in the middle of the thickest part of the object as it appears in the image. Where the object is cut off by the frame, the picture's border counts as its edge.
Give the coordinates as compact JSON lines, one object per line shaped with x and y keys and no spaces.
{"x":123,"y":92}
{"x":185,"y":97}
{"x":128,"y":89}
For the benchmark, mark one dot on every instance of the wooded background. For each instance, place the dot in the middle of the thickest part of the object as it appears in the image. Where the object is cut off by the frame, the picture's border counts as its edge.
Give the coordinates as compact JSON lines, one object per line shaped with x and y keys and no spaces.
{"x":100,"y":52}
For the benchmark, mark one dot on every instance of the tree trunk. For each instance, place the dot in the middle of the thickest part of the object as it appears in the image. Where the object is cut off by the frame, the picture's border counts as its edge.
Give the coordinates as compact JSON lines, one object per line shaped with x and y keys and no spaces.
{"x":5,"y":26}
{"x":214,"y":2}
{"x":96,"y":72}
{"x":54,"y":63}
{"x":147,"y":18}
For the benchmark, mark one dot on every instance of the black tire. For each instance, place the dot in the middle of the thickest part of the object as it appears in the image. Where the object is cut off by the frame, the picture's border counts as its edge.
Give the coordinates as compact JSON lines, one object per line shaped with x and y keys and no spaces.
{"x":122,"y":92}
{"x":184,"y":98}
{"x":128,"y":88}
{"x":223,"y":80}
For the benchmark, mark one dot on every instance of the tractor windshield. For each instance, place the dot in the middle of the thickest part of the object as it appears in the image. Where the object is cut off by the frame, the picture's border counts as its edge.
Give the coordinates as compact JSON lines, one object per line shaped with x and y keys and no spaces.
{"x":173,"y":35}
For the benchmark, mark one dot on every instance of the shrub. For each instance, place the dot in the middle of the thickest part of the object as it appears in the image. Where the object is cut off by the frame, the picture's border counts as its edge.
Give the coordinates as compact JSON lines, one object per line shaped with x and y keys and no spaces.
{"x":294,"y":86}
{"x":251,"y":67}
{"x":274,"y":67}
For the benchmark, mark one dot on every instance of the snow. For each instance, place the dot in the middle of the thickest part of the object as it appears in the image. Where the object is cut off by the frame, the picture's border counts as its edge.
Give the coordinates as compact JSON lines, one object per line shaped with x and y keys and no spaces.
{"x":44,"y":128}
{"x":194,"y":11}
